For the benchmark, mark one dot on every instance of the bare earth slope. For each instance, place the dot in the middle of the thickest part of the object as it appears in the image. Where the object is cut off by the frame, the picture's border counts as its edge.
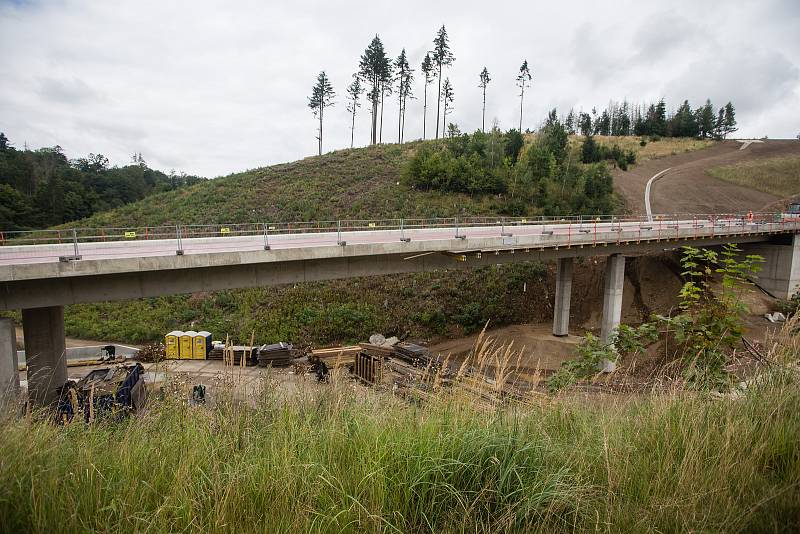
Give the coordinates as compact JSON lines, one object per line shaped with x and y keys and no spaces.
{"x":688,"y":188}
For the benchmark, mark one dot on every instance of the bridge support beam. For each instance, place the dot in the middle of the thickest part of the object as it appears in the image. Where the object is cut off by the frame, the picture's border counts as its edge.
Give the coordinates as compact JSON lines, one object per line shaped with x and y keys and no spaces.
{"x":612,"y":302}
{"x":563,"y":294}
{"x":9,"y":375}
{"x":780,"y":272}
{"x":45,"y":353}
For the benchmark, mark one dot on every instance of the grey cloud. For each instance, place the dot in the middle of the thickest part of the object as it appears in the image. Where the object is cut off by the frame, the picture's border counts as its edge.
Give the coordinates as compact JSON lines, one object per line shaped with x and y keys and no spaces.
{"x":222,"y":86}
{"x":67,"y":91}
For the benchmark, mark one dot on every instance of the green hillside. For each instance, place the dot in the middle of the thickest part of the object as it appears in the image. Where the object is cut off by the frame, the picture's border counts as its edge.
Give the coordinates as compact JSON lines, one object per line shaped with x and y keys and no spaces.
{"x":353,"y":183}
{"x":358,"y":183}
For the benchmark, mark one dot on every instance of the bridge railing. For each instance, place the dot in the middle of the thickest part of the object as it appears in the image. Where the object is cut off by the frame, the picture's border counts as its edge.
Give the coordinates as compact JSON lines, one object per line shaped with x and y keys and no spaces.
{"x":69,"y":243}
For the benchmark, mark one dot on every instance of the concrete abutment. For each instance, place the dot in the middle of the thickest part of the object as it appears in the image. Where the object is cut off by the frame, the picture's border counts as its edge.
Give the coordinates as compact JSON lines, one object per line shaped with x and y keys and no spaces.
{"x":780,"y":272}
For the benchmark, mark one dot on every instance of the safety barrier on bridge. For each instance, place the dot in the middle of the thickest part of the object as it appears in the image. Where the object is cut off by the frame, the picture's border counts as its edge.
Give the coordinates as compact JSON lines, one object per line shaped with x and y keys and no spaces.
{"x":71,"y":243}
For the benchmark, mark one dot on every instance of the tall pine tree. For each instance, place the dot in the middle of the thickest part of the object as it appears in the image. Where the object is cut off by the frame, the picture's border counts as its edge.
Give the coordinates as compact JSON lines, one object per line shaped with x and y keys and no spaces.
{"x":442,"y":57}
{"x":485,"y":79}
{"x":372,"y":69}
{"x":321,"y":97}
{"x":447,"y":99}
{"x":523,"y":81}
{"x":427,"y":72}
{"x":354,"y":91}
{"x":405,"y":75}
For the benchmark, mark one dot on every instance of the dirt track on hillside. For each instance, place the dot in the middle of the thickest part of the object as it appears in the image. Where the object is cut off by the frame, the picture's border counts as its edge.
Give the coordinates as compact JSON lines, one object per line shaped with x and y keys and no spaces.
{"x":688,"y":188}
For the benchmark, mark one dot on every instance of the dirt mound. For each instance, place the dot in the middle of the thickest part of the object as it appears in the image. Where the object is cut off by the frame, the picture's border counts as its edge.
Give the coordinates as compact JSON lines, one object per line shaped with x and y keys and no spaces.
{"x":688,"y":188}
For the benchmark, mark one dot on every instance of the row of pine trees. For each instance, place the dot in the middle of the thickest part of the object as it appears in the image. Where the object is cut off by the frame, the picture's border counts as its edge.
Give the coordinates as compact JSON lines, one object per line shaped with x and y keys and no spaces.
{"x":622,"y":119}
{"x":379,"y":76}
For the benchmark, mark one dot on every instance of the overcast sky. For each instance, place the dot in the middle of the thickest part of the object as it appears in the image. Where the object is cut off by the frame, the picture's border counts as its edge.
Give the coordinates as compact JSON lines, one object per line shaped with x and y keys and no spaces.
{"x":212,"y":88}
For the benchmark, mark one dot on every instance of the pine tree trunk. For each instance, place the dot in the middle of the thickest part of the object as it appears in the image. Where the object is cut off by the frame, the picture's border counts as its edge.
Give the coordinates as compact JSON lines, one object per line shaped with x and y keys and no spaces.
{"x":424,"y":106}
{"x":321,"y":108}
{"x":444,"y":120}
{"x":521,"y":98}
{"x":353,"y":125}
{"x":438,"y":101}
{"x":483,"y":115}
{"x":403,"y":124}
{"x":400,"y":120}
{"x":380,"y":135}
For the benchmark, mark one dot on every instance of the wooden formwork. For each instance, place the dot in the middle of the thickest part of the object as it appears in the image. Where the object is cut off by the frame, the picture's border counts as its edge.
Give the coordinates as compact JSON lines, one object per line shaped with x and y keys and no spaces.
{"x":368,"y":368}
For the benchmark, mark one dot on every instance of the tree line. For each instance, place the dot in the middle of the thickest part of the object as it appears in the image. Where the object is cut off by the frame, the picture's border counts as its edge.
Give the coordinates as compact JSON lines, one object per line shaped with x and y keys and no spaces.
{"x":624,"y":119}
{"x":43,"y":188}
{"x":379,"y":76}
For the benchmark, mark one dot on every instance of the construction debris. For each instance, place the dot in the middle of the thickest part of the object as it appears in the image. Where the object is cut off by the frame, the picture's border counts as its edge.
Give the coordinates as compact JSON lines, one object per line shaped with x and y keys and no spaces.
{"x":776,"y":317}
{"x":111,"y":391}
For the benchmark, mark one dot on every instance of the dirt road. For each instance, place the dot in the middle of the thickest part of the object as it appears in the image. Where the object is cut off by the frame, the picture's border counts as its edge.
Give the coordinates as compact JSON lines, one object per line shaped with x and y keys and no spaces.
{"x":688,"y":188}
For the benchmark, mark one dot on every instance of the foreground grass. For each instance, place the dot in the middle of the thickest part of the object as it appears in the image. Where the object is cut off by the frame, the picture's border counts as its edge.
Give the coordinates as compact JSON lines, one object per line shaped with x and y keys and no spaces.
{"x":336,"y":460}
{"x":777,"y":176}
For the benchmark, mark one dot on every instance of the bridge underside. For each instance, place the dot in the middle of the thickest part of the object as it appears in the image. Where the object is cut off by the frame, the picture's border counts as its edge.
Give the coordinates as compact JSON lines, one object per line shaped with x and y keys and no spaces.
{"x":42,"y":300}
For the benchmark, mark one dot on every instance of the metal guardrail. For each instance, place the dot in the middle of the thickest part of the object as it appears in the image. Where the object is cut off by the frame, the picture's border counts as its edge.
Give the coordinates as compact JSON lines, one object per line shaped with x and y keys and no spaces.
{"x":87,"y":238}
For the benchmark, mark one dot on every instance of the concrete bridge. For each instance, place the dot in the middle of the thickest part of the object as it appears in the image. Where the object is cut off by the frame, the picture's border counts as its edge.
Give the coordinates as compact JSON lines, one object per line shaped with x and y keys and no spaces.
{"x":42,"y":271}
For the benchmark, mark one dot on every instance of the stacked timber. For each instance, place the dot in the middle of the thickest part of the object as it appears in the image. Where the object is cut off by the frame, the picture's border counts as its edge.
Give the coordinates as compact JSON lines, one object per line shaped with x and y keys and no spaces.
{"x":416,"y":355}
{"x":234,"y":354}
{"x":384,"y":351}
{"x":275,"y":355}
{"x":336,"y":356}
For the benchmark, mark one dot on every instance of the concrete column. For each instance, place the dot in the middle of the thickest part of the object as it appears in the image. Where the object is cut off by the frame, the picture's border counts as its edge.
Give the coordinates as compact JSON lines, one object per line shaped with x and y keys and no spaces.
{"x":563,"y":293}
{"x":9,"y":375}
{"x":612,"y":301}
{"x":45,"y":353}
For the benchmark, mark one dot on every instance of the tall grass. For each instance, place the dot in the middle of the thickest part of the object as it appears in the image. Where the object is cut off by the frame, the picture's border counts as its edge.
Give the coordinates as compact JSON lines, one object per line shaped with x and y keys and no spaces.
{"x":335,"y":458}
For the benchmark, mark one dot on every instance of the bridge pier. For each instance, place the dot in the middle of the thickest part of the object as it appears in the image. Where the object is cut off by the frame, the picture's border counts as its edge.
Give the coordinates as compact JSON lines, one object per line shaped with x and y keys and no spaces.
{"x":780,"y":272}
{"x":45,"y":353}
{"x":612,"y":302}
{"x":9,"y":375}
{"x":563,"y":294}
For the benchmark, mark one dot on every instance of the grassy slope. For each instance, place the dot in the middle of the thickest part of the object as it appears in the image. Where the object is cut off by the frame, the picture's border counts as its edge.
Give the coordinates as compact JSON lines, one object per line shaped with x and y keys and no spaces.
{"x":358,"y":183}
{"x":353,"y":183}
{"x":338,"y":459}
{"x":778,"y":176}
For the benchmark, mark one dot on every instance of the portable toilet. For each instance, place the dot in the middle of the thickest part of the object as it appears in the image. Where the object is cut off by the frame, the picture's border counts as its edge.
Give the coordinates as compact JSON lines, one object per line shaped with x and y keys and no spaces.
{"x":187,"y":344}
{"x":202,"y":345}
{"x":173,"y":344}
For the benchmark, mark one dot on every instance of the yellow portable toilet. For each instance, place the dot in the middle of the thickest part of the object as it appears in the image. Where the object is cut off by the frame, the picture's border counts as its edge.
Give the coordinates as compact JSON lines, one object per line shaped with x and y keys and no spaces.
{"x":173,"y":344}
{"x":202,"y":345}
{"x":187,"y":344}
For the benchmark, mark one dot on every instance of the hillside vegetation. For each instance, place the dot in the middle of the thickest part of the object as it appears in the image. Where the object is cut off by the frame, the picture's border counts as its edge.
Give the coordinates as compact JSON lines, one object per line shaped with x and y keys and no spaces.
{"x":778,"y":176}
{"x":352,"y":183}
{"x":358,"y":183}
